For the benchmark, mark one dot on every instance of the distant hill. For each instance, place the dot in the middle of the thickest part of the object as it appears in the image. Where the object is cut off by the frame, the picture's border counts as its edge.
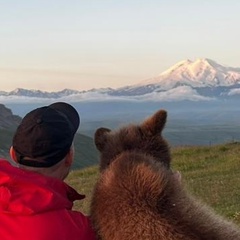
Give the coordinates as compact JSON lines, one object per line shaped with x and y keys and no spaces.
{"x":8,"y":124}
{"x":7,"y":119}
{"x":5,"y":142}
{"x":85,"y":152}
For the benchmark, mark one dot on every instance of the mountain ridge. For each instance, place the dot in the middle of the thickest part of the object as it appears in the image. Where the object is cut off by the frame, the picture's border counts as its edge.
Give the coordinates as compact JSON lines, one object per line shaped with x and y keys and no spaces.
{"x":200,"y":80}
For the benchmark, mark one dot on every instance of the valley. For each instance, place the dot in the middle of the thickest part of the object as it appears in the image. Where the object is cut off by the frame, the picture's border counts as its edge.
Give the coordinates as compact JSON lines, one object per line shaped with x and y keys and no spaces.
{"x":189,"y":123}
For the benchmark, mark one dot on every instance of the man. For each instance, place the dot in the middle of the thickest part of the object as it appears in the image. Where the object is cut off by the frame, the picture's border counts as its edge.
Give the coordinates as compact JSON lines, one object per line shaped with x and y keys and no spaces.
{"x":35,"y":203}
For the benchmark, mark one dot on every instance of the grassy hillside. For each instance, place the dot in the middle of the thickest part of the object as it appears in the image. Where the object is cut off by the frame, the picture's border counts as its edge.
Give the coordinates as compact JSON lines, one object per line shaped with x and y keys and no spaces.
{"x":210,"y":173}
{"x":5,"y":142}
{"x":85,"y":151}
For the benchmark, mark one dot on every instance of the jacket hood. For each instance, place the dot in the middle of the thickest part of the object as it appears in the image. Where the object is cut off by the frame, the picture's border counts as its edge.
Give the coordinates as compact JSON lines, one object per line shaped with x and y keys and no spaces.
{"x":24,"y":192}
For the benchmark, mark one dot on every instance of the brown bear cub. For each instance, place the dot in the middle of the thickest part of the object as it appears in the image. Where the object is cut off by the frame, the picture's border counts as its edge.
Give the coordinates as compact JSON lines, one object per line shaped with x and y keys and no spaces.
{"x":139,"y":197}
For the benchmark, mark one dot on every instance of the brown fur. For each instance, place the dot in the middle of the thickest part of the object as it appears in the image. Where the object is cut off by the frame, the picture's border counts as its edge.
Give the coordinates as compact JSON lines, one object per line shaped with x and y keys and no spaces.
{"x":138,"y":196}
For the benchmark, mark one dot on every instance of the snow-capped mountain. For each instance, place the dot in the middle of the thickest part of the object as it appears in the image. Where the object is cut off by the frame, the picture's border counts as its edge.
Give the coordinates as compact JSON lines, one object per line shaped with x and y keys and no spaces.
{"x":204,"y":76}
{"x":199,"y":73}
{"x":202,"y":79}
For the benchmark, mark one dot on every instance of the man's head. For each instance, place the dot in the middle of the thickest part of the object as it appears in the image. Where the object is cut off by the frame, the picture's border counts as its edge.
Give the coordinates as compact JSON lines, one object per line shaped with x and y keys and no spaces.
{"x":45,"y":135}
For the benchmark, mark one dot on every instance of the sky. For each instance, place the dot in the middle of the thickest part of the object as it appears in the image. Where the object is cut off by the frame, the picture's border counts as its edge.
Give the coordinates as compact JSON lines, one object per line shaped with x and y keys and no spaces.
{"x":51,"y":45}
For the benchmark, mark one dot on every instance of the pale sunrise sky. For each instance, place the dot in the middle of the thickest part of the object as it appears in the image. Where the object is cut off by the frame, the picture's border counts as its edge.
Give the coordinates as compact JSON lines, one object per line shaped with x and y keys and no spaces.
{"x":82,"y":44}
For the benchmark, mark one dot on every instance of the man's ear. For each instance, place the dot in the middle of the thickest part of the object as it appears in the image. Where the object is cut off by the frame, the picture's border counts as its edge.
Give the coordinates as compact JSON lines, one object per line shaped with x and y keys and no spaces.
{"x":69,"y":157}
{"x":13,"y":154}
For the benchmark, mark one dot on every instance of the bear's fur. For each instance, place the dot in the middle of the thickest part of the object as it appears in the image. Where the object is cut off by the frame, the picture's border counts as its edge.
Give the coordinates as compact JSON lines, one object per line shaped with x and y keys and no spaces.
{"x":139,"y":197}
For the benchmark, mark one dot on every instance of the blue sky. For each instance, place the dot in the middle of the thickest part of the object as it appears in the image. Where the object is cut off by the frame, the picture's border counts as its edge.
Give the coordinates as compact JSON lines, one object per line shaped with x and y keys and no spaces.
{"x":56,"y":44}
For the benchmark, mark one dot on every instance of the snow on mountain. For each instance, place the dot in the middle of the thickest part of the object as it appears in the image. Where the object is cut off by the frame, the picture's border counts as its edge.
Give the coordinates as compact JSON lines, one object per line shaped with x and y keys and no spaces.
{"x":41,"y":94}
{"x":200,"y":73}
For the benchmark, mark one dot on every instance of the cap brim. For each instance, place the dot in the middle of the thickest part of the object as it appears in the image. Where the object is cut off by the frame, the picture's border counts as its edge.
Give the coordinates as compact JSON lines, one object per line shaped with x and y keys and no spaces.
{"x":69,"y":111}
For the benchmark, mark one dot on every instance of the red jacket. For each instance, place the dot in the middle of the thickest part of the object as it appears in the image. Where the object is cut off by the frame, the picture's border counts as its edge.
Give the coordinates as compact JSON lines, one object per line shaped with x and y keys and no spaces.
{"x":36,"y":207}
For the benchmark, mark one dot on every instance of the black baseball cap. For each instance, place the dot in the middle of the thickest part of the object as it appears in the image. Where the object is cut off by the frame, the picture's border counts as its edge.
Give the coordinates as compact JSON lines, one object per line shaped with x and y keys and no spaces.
{"x":45,"y":135}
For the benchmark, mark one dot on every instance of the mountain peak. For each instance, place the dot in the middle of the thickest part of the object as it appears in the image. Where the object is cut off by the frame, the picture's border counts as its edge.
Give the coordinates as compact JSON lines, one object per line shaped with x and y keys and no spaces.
{"x":188,"y":64}
{"x":203,"y":72}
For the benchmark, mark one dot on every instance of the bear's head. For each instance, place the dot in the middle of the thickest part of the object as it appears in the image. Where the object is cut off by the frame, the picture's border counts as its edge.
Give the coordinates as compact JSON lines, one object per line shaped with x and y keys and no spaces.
{"x":145,"y":138}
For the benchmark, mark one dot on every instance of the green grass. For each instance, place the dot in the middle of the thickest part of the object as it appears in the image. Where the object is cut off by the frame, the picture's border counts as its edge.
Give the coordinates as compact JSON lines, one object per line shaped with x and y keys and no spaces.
{"x":83,"y":181}
{"x":210,"y":173}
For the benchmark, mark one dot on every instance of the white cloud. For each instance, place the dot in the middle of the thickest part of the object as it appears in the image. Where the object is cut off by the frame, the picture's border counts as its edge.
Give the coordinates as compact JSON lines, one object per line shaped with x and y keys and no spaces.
{"x":176,"y":94}
{"x":234,"y":91}
{"x":23,"y":99}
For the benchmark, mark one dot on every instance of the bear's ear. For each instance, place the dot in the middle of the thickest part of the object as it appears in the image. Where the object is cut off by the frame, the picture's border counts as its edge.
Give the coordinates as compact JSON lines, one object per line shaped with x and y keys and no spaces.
{"x":100,"y":138}
{"x":155,"y":124}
